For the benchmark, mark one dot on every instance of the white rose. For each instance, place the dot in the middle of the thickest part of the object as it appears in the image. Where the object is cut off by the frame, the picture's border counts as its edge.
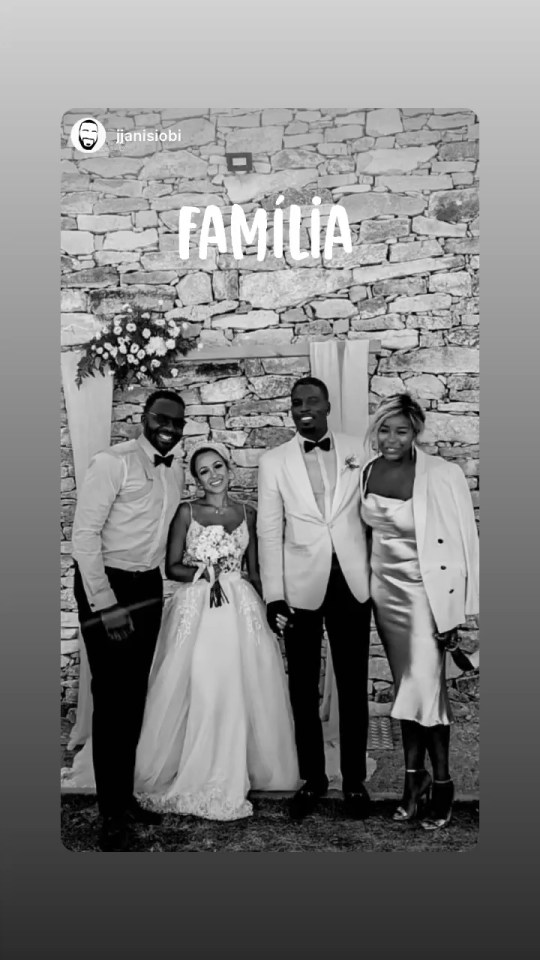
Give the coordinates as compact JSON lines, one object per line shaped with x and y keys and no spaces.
{"x":155,"y":363}
{"x":174,"y":372}
{"x":146,"y":333}
{"x":141,"y":354}
{"x":143,"y":367}
{"x":134,"y":348}
{"x":170,"y":344}
{"x":131,"y":327}
{"x":117,"y":330}
{"x":105,"y":355}
{"x":122,"y":348}
{"x":130,"y":358}
{"x":99,"y":350}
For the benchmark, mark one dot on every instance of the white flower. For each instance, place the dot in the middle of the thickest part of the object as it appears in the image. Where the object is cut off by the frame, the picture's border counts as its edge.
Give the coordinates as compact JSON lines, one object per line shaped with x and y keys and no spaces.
{"x":155,"y":363}
{"x":99,"y":349}
{"x":141,"y":354}
{"x":131,"y":327}
{"x":113,"y":351}
{"x":143,"y":367}
{"x":117,"y":329}
{"x":351,"y":462}
{"x":134,"y":348}
{"x":160,"y":322}
{"x":174,"y":329}
{"x":145,"y":316}
{"x":146,"y":333}
{"x":108,"y":346}
{"x":93,"y":348}
{"x":156,"y":345}
{"x":105,"y":355}
{"x":130,"y":358}
{"x":174,"y":372}
{"x":170,"y":344}
{"x":122,"y":348}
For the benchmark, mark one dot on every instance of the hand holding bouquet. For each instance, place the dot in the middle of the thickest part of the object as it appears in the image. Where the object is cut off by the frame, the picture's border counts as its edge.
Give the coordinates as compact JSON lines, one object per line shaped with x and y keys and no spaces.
{"x":214,"y":550}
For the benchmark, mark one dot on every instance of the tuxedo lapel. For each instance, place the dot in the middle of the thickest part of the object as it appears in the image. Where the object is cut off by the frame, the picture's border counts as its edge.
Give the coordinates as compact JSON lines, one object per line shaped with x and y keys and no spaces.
{"x":340,"y":478}
{"x":298,"y":476}
{"x":419,"y":498}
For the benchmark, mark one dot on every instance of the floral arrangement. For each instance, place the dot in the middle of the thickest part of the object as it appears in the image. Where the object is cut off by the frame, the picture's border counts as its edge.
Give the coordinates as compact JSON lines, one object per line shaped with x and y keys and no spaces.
{"x":216,"y":553}
{"x":351,"y":462}
{"x":135,"y":346}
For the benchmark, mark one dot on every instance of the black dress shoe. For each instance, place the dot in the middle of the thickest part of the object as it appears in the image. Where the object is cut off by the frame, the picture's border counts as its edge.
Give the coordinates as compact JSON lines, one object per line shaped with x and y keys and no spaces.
{"x":114,"y":835}
{"x":357,"y":804}
{"x":305,"y":799}
{"x":138,"y":814}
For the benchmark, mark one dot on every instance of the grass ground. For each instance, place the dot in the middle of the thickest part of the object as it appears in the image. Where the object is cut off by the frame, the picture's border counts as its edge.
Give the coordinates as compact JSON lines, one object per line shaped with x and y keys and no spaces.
{"x":327,"y":830}
{"x":271,"y":831}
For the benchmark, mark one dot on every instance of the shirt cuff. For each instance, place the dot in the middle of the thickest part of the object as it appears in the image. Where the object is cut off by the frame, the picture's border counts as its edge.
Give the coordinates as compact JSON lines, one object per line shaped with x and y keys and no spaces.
{"x":102,"y":600}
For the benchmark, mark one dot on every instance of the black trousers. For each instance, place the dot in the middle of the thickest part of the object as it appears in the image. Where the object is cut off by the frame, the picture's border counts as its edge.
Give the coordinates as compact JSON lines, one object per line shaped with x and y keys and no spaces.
{"x":120,"y":671}
{"x":348,"y":626}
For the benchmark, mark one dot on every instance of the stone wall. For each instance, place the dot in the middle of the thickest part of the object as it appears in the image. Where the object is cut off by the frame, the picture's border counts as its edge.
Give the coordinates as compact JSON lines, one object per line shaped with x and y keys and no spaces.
{"x":409,"y":182}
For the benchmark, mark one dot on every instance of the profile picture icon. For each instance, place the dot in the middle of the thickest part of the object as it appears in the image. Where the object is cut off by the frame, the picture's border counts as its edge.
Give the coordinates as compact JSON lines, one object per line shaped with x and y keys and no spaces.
{"x":88,"y":135}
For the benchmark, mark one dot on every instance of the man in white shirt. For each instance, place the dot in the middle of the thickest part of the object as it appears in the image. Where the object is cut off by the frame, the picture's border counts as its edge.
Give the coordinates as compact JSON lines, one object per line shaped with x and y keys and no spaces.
{"x":125,"y":506}
{"x":314,"y":571}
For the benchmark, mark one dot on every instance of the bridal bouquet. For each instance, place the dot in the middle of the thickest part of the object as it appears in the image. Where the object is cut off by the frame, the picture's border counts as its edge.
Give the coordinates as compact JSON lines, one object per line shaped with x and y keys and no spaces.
{"x":215,"y":552}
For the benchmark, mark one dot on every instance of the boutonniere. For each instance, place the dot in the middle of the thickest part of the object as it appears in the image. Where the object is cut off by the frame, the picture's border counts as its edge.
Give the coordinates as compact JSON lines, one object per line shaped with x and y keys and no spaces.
{"x":351,"y":463}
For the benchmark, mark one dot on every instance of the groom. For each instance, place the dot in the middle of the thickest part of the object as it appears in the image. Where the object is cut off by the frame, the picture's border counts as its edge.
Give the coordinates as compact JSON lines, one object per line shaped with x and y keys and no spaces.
{"x":314,"y":571}
{"x":125,"y":506}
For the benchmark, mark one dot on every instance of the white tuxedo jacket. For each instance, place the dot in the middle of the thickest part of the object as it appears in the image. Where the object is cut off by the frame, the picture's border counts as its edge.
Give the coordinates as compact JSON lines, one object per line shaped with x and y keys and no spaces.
{"x":446,"y":539}
{"x":295,"y":540}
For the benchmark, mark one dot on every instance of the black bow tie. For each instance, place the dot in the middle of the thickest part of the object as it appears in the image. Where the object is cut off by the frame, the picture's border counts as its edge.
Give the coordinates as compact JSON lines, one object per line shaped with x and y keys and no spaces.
{"x":166,"y":461}
{"x":323,"y":444}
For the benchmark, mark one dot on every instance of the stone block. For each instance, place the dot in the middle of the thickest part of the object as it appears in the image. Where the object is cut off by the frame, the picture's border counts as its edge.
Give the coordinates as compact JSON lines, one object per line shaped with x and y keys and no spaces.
{"x":255,"y":140}
{"x":368,"y":206}
{"x":291,"y":287}
{"x":248,"y":457}
{"x":454,"y":206}
{"x":432,"y":360}
{"x":230,"y":388}
{"x":377,"y":230}
{"x":195,"y":288}
{"x":254,"y":320}
{"x":401,"y":252}
{"x":73,"y":301}
{"x":103,"y":224}
{"x":334,"y":308}
{"x":386,"y":386}
{"x":232,"y":438}
{"x":395,"y":161}
{"x":345,"y":132}
{"x":457,"y":284}
{"x":270,"y":436}
{"x":165,"y":165}
{"x":295,"y":159}
{"x":423,"y":303}
{"x":78,"y":328}
{"x":129,"y":240}
{"x":450,"y":121}
{"x":433,"y":227}
{"x":450,"y":428}
{"x":272,"y":386}
{"x":459,"y":150}
{"x":426,"y":386}
{"x":74,"y":203}
{"x":390,"y":339}
{"x":381,"y":123}
{"x":388,"y":271}
{"x":415,"y":184}
{"x":254,"y":186}
{"x":76,"y":242}
{"x":117,"y":188}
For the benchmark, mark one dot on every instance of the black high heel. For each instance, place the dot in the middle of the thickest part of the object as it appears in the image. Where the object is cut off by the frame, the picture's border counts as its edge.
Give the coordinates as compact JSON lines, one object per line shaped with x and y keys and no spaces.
{"x":415,"y":795}
{"x":440,"y":811}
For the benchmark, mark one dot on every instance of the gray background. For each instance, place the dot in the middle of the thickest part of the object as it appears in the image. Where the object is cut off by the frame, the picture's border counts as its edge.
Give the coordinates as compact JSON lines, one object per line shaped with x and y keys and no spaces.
{"x":237,"y":53}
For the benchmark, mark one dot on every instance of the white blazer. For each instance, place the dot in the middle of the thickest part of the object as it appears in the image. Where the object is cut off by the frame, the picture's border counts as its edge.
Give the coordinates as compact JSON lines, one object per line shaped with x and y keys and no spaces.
{"x":446,"y":539}
{"x":295,"y":540}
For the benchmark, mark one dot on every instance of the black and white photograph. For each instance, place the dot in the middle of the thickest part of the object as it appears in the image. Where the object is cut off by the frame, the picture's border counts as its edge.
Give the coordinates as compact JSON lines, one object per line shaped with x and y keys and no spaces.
{"x":270,"y":479}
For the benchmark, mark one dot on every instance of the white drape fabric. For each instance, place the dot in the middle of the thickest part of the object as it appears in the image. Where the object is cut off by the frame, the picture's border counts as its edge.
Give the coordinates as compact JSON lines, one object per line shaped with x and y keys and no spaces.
{"x":89,"y":414}
{"x":343,"y":366}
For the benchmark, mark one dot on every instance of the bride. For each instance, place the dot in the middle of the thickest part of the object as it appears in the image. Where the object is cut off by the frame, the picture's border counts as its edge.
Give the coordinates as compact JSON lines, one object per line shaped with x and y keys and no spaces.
{"x":217,"y":720}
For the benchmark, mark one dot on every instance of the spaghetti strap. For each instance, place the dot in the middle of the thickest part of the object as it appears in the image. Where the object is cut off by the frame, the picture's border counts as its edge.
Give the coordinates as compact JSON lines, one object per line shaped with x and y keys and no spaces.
{"x":365,"y":477}
{"x":245,"y":512}
{"x":191,"y":511}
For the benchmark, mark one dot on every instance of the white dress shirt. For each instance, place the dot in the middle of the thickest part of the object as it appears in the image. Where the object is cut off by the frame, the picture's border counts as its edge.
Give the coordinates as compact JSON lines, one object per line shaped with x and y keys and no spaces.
{"x":124,"y":510}
{"x":321,"y":466}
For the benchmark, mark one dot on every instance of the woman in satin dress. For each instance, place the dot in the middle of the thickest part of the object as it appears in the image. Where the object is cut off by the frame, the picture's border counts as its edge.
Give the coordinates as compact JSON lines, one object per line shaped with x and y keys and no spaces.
{"x":423,"y":584}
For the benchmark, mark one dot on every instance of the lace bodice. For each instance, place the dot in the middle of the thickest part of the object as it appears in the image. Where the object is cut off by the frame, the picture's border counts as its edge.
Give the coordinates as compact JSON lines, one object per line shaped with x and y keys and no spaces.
{"x":214,"y":539}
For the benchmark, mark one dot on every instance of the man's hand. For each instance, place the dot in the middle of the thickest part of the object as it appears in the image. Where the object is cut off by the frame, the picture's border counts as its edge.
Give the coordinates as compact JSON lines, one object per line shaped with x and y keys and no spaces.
{"x":117,"y":622}
{"x":278,"y":614}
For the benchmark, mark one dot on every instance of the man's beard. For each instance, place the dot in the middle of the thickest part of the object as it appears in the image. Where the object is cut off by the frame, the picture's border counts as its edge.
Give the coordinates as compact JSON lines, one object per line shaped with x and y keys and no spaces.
{"x":87,"y":143}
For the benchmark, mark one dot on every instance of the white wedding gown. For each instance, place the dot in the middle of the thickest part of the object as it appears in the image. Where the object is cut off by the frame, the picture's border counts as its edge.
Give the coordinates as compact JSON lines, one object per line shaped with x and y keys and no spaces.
{"x":217,"y":721}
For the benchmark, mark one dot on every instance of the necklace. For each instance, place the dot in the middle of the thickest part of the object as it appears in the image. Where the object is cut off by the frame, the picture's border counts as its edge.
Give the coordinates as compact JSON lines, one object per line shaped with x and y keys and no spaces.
{"x":223,"y":506}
